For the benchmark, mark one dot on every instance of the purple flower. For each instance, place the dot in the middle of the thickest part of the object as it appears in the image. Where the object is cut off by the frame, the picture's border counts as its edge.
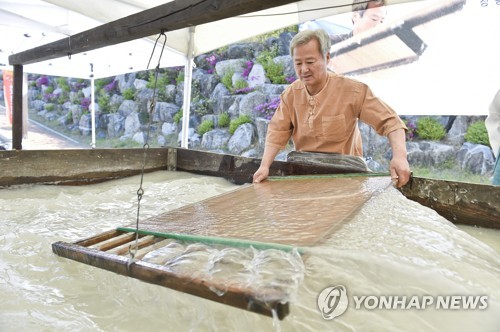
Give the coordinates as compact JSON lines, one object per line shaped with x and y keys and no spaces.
{"x":267,"y":109}
{"x":85,"y":103}
{"x":244,"y":90}
{"x":212,"y":60}
{"x":248,"y":69}
{"x":412,"y":129}
{"x":110,"y":86}
{"x":50,"y":97}
{"x":78,"y":86}
{"x":42,"y":81}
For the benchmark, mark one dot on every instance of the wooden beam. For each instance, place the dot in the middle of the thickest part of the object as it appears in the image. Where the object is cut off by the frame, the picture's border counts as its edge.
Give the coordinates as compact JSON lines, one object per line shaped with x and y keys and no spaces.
{"x":86,"y":166}
{"x":167,"y":17}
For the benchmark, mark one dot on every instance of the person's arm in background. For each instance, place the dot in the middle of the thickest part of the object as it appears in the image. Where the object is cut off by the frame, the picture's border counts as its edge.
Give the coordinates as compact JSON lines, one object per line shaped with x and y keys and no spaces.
{"x":492,"y":123}
{"x":399,"y":167}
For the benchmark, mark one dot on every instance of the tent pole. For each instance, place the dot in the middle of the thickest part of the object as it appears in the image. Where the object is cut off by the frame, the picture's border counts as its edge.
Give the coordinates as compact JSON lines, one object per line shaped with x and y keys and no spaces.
{"x":92,"y":110}
{"x":188,"y":73}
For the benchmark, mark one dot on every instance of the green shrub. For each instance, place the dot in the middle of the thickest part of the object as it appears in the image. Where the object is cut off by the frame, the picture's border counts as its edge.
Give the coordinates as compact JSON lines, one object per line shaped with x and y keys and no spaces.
{"x":178,"y":116}
{"x":227,"y":79}
{"x":151,"y":79}
{"x":477,"y":133}
{"x":205,"y":127}
{"x":274,"y":71}
{"x":103,"y":102}
{"x":101,"y":82}
{"x":163,"y":80}
{"x":128,"y":94}
{"x":180,"y":77}
{"x":240,"y":84}
{"x":49,"y":107}
{"x":76,"y":98}
{"x":224,"y":120}
{"x":63,"y":97}
{"x":265,"y":56}
{"x":202,"y":106}
{"x":430,"y":129}
{"x":62,"y":83}
{"x":235,"y":123}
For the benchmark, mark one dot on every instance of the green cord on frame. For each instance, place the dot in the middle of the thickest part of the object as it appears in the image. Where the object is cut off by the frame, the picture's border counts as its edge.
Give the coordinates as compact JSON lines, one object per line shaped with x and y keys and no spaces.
{"x":241,"y":243}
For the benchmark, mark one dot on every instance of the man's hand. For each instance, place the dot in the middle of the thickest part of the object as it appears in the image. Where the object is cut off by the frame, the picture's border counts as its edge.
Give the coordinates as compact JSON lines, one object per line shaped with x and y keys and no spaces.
{"x":399,"y":167}
{"x":261,"y":174}
{"x":400,"y":171}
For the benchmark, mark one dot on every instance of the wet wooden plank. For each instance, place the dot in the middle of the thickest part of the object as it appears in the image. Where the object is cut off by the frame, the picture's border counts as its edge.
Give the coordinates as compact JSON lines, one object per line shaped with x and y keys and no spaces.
{"x":158,"y":243}
{"x":460,"y":202}
{"x":123,"y":249}
{"x":90,"y":241}
{"x":114,"y":242}
{"x":76,"y":167}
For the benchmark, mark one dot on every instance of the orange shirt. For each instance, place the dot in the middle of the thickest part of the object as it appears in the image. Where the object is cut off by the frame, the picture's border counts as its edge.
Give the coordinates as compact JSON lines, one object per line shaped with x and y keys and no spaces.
{"x":328,"y":121}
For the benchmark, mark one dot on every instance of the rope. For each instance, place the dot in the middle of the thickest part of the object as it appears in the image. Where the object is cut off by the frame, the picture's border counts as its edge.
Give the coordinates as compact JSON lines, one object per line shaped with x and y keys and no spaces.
{"x":140,"y":191}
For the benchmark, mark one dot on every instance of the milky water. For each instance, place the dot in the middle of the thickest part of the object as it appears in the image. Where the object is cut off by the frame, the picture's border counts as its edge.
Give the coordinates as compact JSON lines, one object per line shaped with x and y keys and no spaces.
{"x":392,"y":247}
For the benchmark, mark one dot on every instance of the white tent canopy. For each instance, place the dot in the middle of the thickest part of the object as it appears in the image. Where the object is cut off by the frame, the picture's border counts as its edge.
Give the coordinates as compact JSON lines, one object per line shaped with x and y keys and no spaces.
{"x":27,"y":24}
{"x":51,"y":20}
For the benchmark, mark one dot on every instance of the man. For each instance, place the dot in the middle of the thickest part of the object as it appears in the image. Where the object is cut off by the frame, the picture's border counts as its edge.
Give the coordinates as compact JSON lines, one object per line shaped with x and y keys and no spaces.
{"x":320,"y":111}
{"x":365,"y":15}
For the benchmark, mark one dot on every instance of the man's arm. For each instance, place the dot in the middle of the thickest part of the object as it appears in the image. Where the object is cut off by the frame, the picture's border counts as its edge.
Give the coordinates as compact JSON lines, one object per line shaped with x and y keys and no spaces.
{"x":399,"y":167}
{"x":262,"y":173}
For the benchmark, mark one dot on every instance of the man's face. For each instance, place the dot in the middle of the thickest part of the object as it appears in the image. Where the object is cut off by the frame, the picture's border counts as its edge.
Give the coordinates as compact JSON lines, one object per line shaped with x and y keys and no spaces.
{"x":372,"y":17}
{"x":310,"y":66}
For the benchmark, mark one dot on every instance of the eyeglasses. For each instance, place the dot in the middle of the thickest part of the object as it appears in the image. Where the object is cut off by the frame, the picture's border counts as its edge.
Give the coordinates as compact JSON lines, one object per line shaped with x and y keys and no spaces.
{"x":312,"y":108}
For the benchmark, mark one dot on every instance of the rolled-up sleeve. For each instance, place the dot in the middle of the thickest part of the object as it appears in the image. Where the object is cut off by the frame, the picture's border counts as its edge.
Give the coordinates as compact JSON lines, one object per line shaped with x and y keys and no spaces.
{"x":379,"y":115}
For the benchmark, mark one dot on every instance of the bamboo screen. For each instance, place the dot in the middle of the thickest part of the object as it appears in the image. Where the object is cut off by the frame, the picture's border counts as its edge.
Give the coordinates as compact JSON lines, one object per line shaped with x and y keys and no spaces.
{"x":297,"y":211}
